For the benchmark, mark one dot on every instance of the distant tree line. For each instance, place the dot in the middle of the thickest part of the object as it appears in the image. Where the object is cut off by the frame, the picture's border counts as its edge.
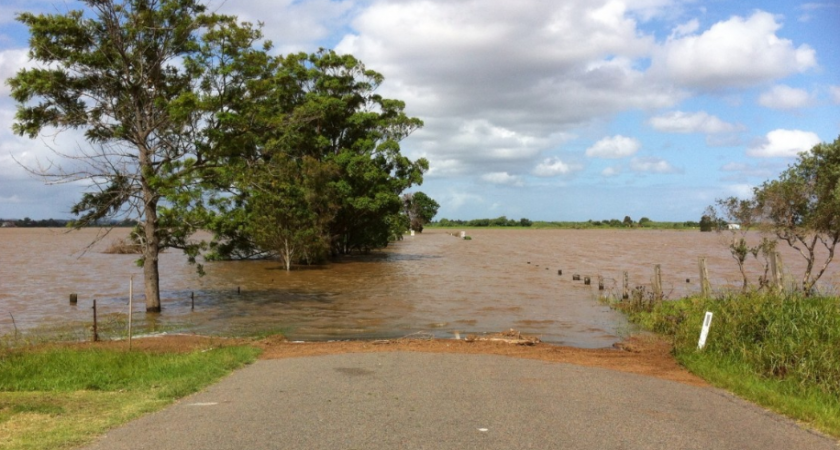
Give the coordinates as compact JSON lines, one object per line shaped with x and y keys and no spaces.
{"x":26,"y":222}
{"x":501,"y":221}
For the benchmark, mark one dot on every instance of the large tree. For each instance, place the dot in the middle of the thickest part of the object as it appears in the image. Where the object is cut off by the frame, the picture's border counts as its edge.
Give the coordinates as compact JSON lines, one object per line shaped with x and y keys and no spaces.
{"x":149,"y":82}
{"x":320,"y":113}
{"x":803,"y":207}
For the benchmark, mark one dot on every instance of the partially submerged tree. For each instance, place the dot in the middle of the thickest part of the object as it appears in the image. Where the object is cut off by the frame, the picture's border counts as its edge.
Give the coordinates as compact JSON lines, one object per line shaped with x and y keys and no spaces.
{"x":420,"y":209}
{"x":742,"y":216}
{"x":136,"y":76}
{"x":803,"y":207}
{"x":321,"y":108}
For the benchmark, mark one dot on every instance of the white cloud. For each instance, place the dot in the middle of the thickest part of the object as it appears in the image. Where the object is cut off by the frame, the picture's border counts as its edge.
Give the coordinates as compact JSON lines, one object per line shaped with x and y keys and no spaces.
{"x":835,"y":94}
{"x":503,"y":178}
{"x":614,"y":147}
{"x":455,"y":200}
{"x":740,"y":190}
{"x":784,"y":143}
{"x":738,"y":171}
{"x":444,"y":167}
{"x":611,"y":171}
{"x":698,"y":122}
{"x":738,"y":52}
{"x":785,"y":97}
{"x":295,"y":25}
{"x":687,"y":28}
{"x":652,"y":165}
{"x":551,"y":167}
{"x":10,"y":199}
{"x":11,"y":61}
{"x":500,"y":83}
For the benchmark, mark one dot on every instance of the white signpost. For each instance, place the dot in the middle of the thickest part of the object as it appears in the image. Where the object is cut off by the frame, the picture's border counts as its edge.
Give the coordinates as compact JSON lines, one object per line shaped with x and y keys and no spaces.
{"x":704,"y":333}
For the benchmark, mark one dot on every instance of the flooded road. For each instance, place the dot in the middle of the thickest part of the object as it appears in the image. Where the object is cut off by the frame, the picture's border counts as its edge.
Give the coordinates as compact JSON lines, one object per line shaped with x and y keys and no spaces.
{"x":432,"y":282}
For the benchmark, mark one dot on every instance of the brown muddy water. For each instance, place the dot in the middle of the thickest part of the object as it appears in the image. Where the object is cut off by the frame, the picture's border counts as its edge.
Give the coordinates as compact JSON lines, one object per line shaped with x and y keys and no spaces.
{"x":432,"y":283}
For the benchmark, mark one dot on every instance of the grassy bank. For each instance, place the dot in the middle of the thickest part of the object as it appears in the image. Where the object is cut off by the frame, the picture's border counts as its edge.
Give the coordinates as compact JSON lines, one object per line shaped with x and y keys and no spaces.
{"x":61,"y":398}
{"x":780,"y":351}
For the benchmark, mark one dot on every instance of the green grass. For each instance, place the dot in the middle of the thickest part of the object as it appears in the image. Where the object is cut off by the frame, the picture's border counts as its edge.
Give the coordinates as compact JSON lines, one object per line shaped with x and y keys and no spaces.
{"x":60,"y":398}
{"x":780,"y":351}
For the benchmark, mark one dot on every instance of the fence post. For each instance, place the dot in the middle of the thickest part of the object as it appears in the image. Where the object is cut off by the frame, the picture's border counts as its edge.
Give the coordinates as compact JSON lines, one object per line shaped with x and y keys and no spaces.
{"x":776,"y":270}
{"x":705,"y":286}
{"x":657,"y":282}
{"x":625,"y":294}
{"x":95,"y":331}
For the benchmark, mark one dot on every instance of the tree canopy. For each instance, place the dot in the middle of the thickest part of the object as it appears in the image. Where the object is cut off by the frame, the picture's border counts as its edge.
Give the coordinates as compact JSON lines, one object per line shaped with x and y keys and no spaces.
{"x":802,"y":207}
{"x":192,"y":123}
{"x":420,"y":209}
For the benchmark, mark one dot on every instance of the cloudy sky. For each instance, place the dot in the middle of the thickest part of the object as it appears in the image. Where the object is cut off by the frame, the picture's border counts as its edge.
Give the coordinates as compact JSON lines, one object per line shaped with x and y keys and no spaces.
{"x":551,"y":110}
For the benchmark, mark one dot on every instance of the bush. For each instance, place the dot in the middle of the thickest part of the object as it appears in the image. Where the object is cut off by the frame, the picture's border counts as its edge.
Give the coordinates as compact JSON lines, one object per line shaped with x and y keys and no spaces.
{"x":786,"y":337}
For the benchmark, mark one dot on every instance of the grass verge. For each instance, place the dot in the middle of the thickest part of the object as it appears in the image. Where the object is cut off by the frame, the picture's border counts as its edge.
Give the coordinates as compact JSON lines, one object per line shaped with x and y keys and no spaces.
{"x":62,"y":398}
{"x":779,"y":351}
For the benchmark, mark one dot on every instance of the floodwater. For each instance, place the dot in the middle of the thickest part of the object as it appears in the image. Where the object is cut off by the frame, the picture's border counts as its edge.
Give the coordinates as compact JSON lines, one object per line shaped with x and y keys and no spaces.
{"x":429,"y":283}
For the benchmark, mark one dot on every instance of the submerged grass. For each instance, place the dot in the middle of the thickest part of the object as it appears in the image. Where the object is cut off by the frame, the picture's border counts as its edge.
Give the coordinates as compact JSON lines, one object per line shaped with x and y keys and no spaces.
{"x":779,"y":350}
{"x":60,"y":398}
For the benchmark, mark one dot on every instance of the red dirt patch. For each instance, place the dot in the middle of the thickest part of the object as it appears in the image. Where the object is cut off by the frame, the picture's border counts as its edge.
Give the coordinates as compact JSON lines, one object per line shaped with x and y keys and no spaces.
{"x":642,"y":355}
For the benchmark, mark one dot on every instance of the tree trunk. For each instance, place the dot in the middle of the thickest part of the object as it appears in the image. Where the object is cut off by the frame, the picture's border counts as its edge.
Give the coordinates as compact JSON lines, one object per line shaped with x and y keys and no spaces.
{"x":151,"y":251}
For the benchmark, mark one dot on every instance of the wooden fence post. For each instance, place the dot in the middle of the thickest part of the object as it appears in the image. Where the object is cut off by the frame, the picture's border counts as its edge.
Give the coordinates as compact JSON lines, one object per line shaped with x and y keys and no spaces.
{"x":657,"y":282}
{"x":776,"y":271}
{"x":95,"y":331}
{"x":705,"y":286}
{"x":625,"y":294}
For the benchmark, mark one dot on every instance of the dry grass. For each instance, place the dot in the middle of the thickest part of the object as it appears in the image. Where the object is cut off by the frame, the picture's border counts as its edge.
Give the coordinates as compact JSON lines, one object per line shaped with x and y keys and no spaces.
{"x":123,"y":247}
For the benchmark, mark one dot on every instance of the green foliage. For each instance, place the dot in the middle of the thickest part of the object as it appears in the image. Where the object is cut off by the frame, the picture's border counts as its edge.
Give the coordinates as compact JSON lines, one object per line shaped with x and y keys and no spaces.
{"x":319,"y":111}
{"x":790,"y":341}
{"x":706,"y":223}
{"x":149,"y":82}
{"x":420,"y":209}
{"x":66,"y":370}
{"x":63,"y":398}
{"x":735,"y":218}
{"x":803,"y":207}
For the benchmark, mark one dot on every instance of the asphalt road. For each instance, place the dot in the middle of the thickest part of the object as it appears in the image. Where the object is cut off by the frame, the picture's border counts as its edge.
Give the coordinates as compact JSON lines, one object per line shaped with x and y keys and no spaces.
{"x":444,"y":401}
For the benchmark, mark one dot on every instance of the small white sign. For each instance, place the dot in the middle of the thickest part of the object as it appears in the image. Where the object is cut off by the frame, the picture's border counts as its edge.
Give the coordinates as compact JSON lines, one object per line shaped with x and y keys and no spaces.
{"x":704,"y":333}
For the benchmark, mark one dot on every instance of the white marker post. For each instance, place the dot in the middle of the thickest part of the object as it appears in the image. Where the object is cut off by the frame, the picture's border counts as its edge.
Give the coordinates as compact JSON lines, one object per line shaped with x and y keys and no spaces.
{"x":704,"y":333}
{"x":130,"y":306}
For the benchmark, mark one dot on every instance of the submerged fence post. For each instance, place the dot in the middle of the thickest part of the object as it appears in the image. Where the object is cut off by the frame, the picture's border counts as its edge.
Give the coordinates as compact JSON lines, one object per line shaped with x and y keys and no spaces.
{"x":705,"y":286}
{"x":600,"y":282}
{"x":657,"y":282}
{"x":95,"y":331}
{"x":625,"y":294}
{"x":74,"y":298}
